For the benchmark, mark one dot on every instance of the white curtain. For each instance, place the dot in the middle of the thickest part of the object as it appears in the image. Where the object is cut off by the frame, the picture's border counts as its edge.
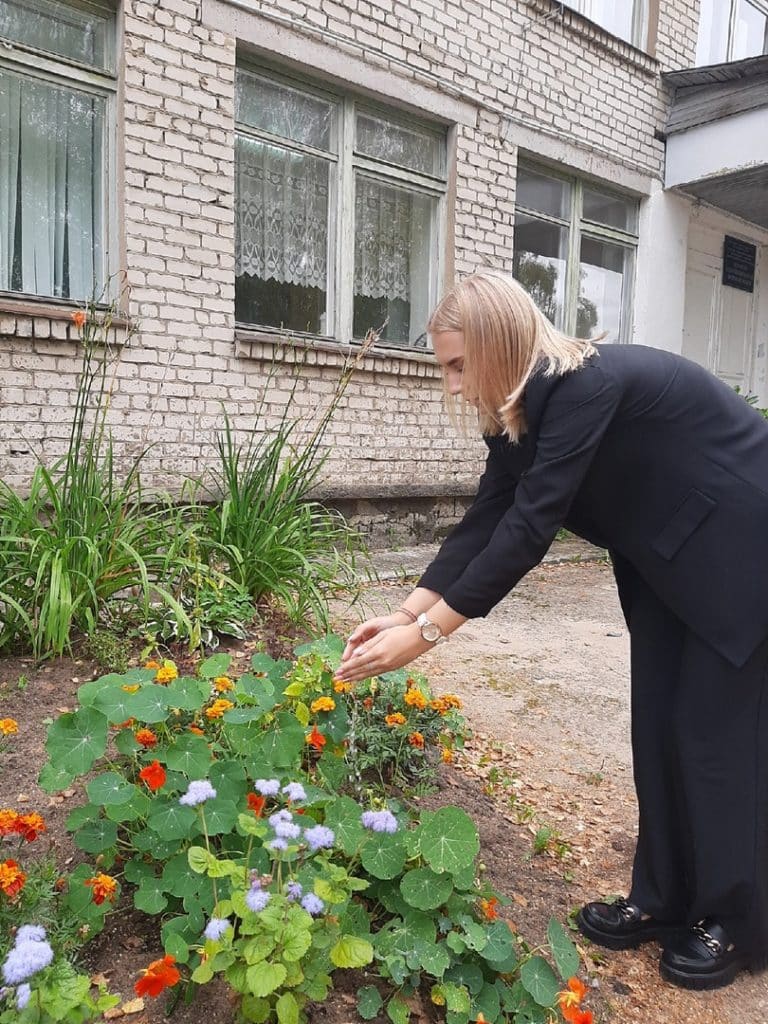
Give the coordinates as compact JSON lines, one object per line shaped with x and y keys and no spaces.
{"x":282,"y":221}
{"x":50,"y":177}
{"x":383,"y":219}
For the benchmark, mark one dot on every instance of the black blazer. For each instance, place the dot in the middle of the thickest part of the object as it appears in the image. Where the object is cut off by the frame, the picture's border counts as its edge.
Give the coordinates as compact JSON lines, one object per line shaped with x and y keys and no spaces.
{"x":644,"y":453}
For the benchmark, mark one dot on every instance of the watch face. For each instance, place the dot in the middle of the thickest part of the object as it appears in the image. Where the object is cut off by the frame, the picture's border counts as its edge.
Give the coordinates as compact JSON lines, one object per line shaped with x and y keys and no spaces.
{"x":430,"y":631}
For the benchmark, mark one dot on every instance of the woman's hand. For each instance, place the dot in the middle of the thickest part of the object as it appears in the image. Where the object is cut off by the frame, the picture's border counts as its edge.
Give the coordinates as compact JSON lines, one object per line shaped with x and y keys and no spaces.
{"x":388,"y":649}
{"x":368,"y":630}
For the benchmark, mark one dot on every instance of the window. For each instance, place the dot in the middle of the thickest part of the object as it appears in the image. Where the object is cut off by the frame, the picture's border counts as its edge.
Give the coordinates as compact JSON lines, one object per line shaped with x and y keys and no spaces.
{"x":575,"y":253}
{"x":338,"y":213}
{"x":731,"y":30}
{"x":627,"y":19}
{"x":56,"y":89}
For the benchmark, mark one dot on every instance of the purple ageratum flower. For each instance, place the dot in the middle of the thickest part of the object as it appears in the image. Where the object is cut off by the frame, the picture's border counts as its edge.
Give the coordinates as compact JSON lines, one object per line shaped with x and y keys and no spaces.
{"x":313,"y":904}
{"x":216,"y":928}
{"x":256,"y":900}
{"x":23,"y":995}
{"x":294,"y":791}
{"x":379,"y":821}
{"x":197,"y":793}
{"x":30,"y":933}
{"x":287,"y":830}
{"x":278,"y":844}
{"x":294,"y":891}
{"x":319,"y":837}
{"x":280,"y":816}
{"x":26,"y":959}
{"x":267,"y":787}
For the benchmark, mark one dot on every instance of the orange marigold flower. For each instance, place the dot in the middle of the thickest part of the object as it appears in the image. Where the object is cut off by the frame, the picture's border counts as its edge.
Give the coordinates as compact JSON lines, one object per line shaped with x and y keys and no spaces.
{"x":8,"y":819}
{"x":414,"y":698}
{"x":316,"y":739}
{"x":451,"y":700}
{"x":223,"y":684}
{"x":322,"y":704}
{"x":446,"y":755}
{"x":256,"y":803}
{"x":217,"y":709}
{"x":132,"y":688}
{"x":12,"y":878}
{"x":153,"y":776}
{"x":489,"y":908}
{"x":104,"y":887}
{"x":8,"y":726}
{"x":29,"y":826}
{"x":166,"y":673}
{"x":146,"y":738}
{"x":395,"y":719}
{"x":78,"y":319}
{"x":416,"y":740}
{"x":160,"y":975}
{"x":340,"y":686}
{"x":368,"y":703}
{"x":439,"y":705}
{"x":154,"y":665}
{"x":196,"y":730}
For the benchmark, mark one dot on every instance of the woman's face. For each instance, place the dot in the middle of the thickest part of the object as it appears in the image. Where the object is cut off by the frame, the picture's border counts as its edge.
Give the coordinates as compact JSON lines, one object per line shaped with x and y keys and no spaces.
{"x":448,"y":347}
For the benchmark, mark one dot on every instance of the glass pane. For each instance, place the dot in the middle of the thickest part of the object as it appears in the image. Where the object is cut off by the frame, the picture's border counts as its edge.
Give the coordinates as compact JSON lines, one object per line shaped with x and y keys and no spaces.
{"x":542,"y":194}
{"x":281,"y":237}
{"x":405,"y":147}
{"x":58,"y":28}
{"x":615,"y":16}
{"x":393,"y":249}
{"x":603,"y":277}
{"x":712,"y":39}
{"x":540,"y":263}
{"x":286,"y":112}
{"x":51,"y":189}
{"x":611,"y":210}
{"x":750,"y":31}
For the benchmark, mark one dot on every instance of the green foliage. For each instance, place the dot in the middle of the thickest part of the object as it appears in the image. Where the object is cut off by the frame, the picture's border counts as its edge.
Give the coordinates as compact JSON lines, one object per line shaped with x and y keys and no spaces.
{"x":752,"y":400}
{"x":405,"y":903}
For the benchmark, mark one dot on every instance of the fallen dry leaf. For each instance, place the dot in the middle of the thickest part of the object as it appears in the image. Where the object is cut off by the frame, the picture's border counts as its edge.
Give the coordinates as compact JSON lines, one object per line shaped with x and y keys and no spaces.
{"x":99,"y":979}
{"x":133,"y":1006}
{"x":113,"y":1013}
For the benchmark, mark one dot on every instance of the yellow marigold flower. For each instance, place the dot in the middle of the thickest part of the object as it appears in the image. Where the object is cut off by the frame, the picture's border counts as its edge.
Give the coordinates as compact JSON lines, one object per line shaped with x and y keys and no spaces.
{"x":322,"y":704}
{"x":414,"y":698}
{"x":439,"y":705}
{"x":447,"y":755}
{"x":223,"y":684}
{"x":341,"y":687}
{"x":217,"y":709}
{"x":395,"y":719}
{"x":104,"y":887}
{"x":166,"y":673}
{"x":451,"y":700}
{"x":416,"y":739}
{"x":8,"y":726}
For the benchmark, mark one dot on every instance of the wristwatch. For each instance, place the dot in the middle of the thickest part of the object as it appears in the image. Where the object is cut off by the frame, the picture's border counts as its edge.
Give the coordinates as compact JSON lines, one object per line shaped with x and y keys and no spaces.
{"x":430,"y":631}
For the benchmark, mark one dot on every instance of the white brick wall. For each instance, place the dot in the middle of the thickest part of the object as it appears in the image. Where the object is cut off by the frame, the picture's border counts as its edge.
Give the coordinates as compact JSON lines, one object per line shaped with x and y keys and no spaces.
{"x":523,"y":65}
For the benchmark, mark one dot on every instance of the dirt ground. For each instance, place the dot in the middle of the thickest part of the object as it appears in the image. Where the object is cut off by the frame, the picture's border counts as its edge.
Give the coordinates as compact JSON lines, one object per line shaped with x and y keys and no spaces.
{"x":545,"y":684}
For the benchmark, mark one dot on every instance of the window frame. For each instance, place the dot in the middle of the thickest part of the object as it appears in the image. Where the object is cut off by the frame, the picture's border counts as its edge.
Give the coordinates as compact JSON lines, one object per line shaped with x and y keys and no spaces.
{"x":579,"y":226}
{"x":348,"y":163}
{"x":641,"y":19}
{"x":63,"y":72}
{"x":759,"y":5}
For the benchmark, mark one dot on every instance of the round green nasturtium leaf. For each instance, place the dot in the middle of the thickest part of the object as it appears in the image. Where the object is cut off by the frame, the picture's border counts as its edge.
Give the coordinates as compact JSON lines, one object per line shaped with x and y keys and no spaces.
{"x":150,"y":897}
{"x":216,"y":665}
{"x":54,"y":778}
{"x":384,"y":854}
{"x":287,"y":1009}
{"x":188,"y":694}
{"x":109,"y":789}
{"x":242,"y":715}
{"x":88,"y":692}
{"x":171,"y":820}
{"x":500,"y":945}
{"x":125,"y":742}
{"x":351,"y":951}
{"x":398,"y":1011}
{"x":263,"y":978}
{"x":475,"y":935}
{"x":135,"y":870}
{"x":229,"y":780}
{"x":96,"y":836}
{"x":487,"y":1002}
{"x":467,"y":974}
{"x":178,"y":877}
{"x":113,"y":701}
{"x":540,"y":981}
{"x":449,"y":840}
{"x":136,"y":807}
{"x":186,"y":928}
{"x":565,"y":954}
{"x":176,"y":946}
{"x":432,"y":957}
{"x":369,"y":1002}
{"x":284,"y":742}
{"x":76,"y":739}
{"x":220,"y":816}
{"x":149,"y":704}
{"x":423,"y":889}
{"x":189,"y":755}
{"x":78,"y":816}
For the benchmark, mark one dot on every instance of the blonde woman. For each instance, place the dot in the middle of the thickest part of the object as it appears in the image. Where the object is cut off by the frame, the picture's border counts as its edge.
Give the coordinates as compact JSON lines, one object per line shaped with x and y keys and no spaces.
{"x":653,"y":458}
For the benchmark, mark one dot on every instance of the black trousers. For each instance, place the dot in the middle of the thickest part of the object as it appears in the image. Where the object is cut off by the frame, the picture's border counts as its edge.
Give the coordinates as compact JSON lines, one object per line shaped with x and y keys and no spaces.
{"x":700,"y":755}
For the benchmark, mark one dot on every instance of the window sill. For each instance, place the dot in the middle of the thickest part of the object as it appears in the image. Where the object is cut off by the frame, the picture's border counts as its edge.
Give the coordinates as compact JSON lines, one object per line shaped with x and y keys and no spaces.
{"x":35,"y":318}
{"x":579,"y":25}
{"x":277,"y":347}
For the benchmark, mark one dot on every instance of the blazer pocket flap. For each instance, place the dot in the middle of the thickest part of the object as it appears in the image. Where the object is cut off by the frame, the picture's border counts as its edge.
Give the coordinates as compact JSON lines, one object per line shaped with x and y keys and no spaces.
{"x":688,"y":517}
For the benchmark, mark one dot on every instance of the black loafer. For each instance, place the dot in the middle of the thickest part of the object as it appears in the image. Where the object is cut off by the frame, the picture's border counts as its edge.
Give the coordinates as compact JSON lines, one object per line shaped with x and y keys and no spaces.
{"x":621,"y":925}
{"x":702,"y":957}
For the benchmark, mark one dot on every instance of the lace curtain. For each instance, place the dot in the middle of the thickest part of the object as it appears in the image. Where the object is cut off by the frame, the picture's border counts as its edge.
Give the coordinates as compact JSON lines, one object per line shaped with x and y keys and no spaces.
{"x":50,"y":223}
{"x":383,"y":227}
{"x":282,"y":222}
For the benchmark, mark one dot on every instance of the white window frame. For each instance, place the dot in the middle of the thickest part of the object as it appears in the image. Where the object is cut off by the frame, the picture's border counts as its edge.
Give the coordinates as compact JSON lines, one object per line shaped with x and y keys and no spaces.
{"x":759,"y":5}
{"x":640,"y":21}
{"x":341,"y":238}
{"x":579,"y":226}
{"x":58,"y":70}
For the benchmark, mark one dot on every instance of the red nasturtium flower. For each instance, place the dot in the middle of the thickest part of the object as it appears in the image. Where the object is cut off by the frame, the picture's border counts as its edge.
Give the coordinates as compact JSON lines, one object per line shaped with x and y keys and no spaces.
{"x":78,"y":319}
{"x":256,"y":803}
{"x":153,"y":776}
{"x":316,"y":739}
{"x":146,"y":738}
{"x":160,"y":975}
{"x":104,"y":887}
{"x":489,"y":908}
{"x":569,"y":1001}
{"x":12,"y":878}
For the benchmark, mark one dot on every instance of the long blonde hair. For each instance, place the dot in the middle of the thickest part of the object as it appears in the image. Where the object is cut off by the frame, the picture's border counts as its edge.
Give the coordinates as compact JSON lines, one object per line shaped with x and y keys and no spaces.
{"x":506,"y":338}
